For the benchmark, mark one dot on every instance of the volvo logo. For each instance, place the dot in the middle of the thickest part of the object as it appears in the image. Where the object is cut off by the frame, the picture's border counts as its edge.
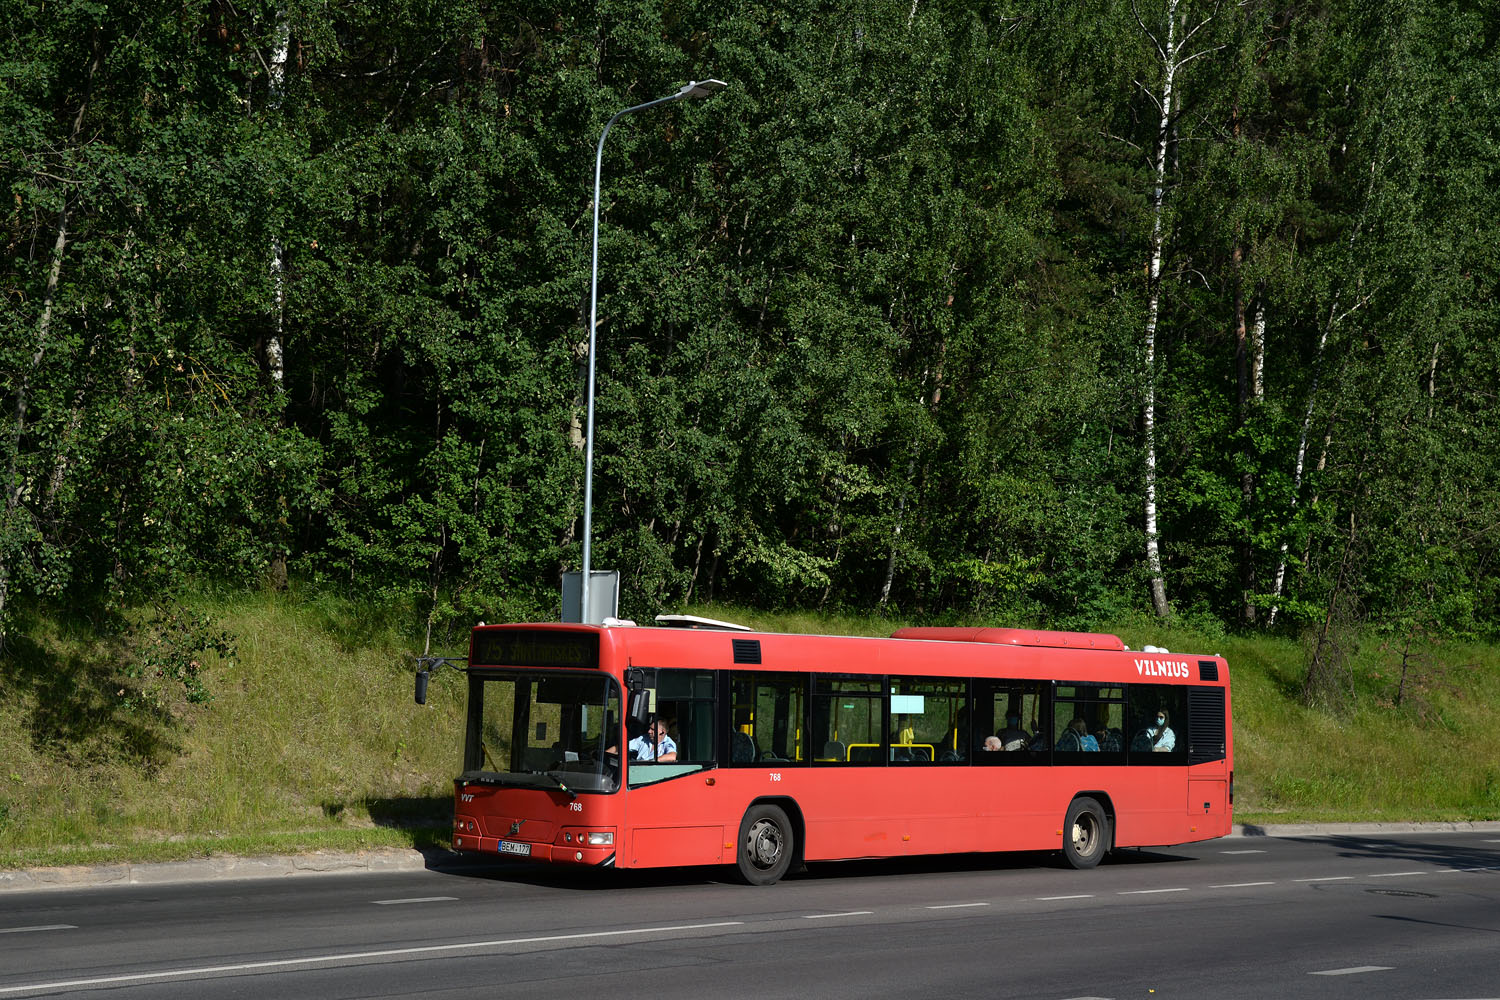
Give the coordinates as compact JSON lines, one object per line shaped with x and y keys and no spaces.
{"x":515,"y":828}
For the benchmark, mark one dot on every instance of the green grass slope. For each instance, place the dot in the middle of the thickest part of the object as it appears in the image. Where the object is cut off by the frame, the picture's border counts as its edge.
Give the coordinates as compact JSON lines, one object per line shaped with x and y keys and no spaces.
{"x":310,"y":738}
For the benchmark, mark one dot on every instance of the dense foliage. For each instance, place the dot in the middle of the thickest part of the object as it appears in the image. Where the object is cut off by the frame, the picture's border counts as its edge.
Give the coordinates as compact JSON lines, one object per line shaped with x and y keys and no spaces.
{"x":302,"y":289}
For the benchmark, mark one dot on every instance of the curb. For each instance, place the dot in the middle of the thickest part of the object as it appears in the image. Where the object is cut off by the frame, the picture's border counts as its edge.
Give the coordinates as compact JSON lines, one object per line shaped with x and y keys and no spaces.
{"x":408,"y":860}
{"x":1356,"y":829}
{"x":226,"y":867}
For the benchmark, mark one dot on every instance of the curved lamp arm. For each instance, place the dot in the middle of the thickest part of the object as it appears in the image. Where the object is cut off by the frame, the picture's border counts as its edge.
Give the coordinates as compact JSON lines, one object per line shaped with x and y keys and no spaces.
{"x":691,"y":89}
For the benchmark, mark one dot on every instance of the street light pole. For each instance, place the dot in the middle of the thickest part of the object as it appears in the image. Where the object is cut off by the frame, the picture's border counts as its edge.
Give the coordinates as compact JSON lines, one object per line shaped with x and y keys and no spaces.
{"x":691,"y":89}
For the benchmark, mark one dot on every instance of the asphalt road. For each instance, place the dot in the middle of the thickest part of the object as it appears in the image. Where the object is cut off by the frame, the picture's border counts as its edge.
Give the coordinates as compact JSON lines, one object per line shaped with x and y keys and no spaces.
{"x":1409,"y":916}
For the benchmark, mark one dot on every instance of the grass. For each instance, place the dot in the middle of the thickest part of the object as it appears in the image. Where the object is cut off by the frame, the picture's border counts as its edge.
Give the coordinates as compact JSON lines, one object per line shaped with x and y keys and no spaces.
{"x":311,"y":739}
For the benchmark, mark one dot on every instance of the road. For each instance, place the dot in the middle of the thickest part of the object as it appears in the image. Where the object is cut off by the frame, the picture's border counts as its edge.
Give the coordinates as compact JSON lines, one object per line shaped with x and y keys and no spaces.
{"x":1408,"y":916}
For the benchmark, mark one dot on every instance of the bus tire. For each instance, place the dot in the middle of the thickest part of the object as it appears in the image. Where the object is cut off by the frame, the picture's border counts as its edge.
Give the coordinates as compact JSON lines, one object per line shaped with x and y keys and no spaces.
{"x":765,"y":845}
{"x":1085,"y":833}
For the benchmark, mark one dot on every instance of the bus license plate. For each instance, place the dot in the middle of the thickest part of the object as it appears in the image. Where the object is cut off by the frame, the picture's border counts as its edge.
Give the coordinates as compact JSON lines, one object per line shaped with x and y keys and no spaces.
{"x":510,"y":847}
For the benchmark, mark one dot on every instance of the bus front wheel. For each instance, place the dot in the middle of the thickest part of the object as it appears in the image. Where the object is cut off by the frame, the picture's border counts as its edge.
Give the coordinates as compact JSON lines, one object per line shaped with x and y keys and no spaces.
{"x":1085,"y":833}
{"x":765,"y":845}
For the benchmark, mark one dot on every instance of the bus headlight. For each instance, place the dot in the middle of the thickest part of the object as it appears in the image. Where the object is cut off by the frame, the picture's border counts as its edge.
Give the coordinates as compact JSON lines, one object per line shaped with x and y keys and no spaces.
{"x":601,"y":839}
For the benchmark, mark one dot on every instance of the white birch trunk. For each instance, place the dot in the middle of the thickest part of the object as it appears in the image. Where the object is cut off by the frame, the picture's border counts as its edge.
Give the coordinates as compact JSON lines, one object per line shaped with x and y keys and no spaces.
{"x":1432,"y":380}
{"x":1312,"y":398}
{"x":1153,"y":306}
{"x":275,"y":356}
{"x":14,"y":488}
{"x":1334,"y":317}
{"x":1258,"y":350}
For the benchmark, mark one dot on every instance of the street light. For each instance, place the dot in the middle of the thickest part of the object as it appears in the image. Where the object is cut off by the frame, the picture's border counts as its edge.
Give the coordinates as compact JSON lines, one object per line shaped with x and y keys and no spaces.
{"x":691,"y":89}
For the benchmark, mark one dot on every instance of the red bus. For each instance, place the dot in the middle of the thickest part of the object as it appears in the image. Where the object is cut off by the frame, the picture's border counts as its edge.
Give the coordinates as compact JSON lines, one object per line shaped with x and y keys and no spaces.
{"x":784,"y":749}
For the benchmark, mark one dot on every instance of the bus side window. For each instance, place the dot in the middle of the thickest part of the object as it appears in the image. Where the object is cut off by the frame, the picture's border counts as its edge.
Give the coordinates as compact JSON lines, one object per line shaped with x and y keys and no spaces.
{"x":1148,"y":742}
{"x":770,"y":714}
{"x":925,"y":717}
{"x":848,"y":721}
{"x":685,"y":701}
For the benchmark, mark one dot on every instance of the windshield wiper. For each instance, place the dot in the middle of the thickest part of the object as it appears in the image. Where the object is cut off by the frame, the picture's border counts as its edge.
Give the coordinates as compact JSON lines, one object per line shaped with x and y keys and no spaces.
{"x":558,"y":781}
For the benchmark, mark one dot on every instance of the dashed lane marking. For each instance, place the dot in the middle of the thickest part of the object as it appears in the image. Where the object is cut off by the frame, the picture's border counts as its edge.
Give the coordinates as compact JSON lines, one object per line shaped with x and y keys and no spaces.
{"x":1352,"y":970}
{"x":38,"y":927}
{"x":1325,"y":878}
{"x":826,"y":916}
{"x":1239,"y":885}
{"x":1256,"y":851}
{"x":417,"y":899}
{"x":1147,"y":892}
{"x":352,"y":956}
{"x":955,"y":906}
{"x":1395,"y":874}
{"x":1048,"y":899}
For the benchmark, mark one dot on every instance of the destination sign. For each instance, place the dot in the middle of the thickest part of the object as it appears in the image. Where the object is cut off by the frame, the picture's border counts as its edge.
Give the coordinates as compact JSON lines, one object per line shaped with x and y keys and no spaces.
{"x":519,"y":648}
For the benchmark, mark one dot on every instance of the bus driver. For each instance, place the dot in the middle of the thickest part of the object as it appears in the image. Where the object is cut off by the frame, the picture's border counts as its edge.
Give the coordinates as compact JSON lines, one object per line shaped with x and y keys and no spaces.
{"x":654,"y":744}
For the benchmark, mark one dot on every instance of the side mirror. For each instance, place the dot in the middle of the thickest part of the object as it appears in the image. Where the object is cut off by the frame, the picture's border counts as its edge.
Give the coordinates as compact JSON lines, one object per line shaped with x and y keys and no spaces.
{"x":638,"y":704}
{"x":422,"y":677}
{"x":640,"y":708}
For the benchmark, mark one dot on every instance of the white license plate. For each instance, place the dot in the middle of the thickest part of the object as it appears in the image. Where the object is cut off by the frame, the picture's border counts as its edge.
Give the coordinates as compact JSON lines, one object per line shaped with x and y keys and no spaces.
{"x":510,"y":847}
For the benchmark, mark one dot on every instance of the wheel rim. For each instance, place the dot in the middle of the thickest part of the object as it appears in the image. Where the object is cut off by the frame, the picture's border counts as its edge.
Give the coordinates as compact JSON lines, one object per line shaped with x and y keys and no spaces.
{"x":1085,"y":835}
{"x":763,"y":844}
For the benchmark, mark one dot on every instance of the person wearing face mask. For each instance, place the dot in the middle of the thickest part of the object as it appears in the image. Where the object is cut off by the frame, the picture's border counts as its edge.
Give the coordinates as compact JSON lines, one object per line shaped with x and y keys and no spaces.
{"x":1162,"y":737}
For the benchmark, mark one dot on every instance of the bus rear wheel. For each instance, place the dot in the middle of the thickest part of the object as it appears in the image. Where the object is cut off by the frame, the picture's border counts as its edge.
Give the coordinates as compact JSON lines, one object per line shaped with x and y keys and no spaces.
{"x":1085,"y":833}
{"x":765,"y":845}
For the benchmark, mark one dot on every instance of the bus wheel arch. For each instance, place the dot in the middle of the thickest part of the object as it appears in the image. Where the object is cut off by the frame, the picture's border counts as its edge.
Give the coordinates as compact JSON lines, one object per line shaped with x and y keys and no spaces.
{"x":770,"y":840}
{"x":1088,"y":829}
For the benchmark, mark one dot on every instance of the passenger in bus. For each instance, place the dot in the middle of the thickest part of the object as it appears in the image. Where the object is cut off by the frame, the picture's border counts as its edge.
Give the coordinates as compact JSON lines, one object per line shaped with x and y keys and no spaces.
{"x":955,"y":744}
{"x":992,"y":743}
{"x":654,"y":744}
{"x":1013,"y":737}
{"x":1162,"y":738}
{"x":1077,"y":737}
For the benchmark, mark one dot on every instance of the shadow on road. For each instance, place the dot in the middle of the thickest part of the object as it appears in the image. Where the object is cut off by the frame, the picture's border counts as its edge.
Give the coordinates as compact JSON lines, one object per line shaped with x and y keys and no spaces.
{"x":592,"y":879}
{"x":1410,"y":851}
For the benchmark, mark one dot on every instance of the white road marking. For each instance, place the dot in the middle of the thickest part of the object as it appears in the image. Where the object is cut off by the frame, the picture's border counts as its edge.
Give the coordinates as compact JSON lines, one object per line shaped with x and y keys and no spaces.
{"x":956,"y":906}
{"x":1239,"y":885}
{"x":1326,"y":878}
{"x":1256,"y":851}
{"x":1354,"y":970}
{"x":352,"y":956}
{"x":1147,"y":892}
{"x":1048,"y":899}
{"x":825,"y":916}
{"x":416,"y":899}
{"x":38,"y":927}
{"x":1395,"y":874}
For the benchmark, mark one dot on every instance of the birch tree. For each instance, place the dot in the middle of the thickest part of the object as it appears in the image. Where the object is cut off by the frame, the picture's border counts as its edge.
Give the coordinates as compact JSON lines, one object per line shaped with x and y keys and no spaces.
{"x":1172,"y":55}
{"x":281,"y":42}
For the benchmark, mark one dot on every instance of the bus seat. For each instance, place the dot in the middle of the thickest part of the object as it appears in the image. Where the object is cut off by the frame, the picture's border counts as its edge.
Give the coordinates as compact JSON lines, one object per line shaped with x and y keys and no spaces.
{"x":742,"y":749}
{"x":834,"y":750}
{"x":864,"y":755}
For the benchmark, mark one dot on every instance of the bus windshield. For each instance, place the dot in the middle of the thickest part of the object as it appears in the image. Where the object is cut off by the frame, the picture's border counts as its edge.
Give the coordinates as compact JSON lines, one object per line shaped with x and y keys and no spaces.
{"x":543,"y":729}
